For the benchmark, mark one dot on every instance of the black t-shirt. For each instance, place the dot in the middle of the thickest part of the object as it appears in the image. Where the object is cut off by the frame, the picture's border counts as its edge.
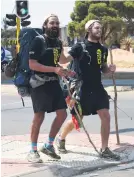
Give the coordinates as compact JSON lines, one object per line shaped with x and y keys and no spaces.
{"x":46,"y":51}
{"x":90,"y":66}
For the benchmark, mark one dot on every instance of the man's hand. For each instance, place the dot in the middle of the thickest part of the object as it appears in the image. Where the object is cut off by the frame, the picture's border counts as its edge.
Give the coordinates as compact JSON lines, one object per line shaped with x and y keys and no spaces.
{"x":70,"y":102}
{"x":71,"y":73}
{"x":108,"y":69}
{"x":64,"y":72}
{"x":65,"y":57}
{"x":112,"y":68}
{"x":60,"y":71}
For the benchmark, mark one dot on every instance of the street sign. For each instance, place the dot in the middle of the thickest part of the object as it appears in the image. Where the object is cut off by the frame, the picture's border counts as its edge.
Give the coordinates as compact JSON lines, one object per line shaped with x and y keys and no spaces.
{"x":2,"y":53}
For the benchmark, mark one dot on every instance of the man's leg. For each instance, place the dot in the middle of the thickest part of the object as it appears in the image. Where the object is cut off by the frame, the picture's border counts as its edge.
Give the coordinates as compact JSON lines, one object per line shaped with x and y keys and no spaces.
{"x":61,"y":116}
{"x":60,"y":142}
{"x":105,"y":126}
{"x":56,"y":125}
{"x":33,"y":155}
{"x":105,"y":131}
{"x":37,"y":121}
{"x":69,"y":126}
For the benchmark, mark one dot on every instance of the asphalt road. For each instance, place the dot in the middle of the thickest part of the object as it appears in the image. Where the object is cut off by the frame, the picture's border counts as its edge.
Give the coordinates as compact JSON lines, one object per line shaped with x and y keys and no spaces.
{"x":124,"y":170}
{"x":121,"y":173}
{"x":16,"y":120}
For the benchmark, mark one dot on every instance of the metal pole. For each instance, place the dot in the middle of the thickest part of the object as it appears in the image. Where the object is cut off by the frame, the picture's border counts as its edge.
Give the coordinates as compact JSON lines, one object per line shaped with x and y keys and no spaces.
{"x":115,"y":102}
{"x":18,"y":45}
{"x":17,"y":34}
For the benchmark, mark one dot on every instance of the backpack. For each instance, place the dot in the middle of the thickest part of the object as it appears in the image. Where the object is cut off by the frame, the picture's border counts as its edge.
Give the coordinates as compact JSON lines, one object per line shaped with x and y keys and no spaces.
{"x":22,"y":71}
{"x":74,"y":64}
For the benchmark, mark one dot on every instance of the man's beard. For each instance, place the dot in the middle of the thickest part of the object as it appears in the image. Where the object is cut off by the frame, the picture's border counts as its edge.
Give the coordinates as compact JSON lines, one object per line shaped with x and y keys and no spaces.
{"x":95,"y":37}
{"x":52,"y":32}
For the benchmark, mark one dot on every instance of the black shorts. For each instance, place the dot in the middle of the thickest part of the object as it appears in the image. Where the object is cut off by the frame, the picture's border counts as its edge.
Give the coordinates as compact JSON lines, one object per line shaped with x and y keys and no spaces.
{"x":94,"y":101}
{"x":48,"y":97}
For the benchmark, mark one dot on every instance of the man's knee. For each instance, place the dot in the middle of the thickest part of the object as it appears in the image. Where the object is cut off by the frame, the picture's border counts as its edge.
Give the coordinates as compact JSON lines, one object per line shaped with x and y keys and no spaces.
{"x":104,"y":115}
{"x":38,"y":118}
{"x":61,"y":114}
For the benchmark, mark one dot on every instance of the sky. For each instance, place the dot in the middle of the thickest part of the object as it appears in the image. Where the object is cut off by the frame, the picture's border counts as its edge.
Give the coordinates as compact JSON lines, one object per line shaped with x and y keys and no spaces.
{"x":39,"y":9}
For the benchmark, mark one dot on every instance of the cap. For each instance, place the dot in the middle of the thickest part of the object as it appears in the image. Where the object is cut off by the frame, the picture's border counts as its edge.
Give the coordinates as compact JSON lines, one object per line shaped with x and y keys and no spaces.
{"x":89,"y":23}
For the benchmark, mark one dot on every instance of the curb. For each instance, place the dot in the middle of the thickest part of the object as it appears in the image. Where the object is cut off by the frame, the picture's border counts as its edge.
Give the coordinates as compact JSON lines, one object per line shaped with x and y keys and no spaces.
{"x":119,"y":88}
{"x":120,"y":75}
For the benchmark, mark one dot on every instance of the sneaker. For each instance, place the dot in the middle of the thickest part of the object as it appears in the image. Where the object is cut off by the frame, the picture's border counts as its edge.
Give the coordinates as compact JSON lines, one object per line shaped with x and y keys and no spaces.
{"x":61,"y":146}
{"x":34,"y":157}
{"x":50,"y":151}
{"x":107,"y":153}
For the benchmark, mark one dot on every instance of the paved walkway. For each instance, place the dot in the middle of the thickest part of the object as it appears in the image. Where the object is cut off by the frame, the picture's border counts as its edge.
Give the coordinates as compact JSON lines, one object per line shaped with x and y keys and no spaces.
{"x":80,"y":158}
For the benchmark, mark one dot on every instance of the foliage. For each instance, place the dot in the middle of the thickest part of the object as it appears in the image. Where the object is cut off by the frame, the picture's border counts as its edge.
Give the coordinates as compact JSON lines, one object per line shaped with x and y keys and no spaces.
{"x":116,"y":17}
{"x":127,"y":43}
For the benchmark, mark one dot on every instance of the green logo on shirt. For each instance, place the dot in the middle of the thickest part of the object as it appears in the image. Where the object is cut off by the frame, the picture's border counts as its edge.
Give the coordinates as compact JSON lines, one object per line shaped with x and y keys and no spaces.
{"x":56,"y":55}
{"x":99,"y":56}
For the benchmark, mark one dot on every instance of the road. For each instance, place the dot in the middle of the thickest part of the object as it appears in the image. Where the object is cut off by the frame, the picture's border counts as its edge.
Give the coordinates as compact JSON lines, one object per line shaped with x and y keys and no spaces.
{"x":126,"y":170}
{"x":119,"y":173}
{"x":16,"y":120}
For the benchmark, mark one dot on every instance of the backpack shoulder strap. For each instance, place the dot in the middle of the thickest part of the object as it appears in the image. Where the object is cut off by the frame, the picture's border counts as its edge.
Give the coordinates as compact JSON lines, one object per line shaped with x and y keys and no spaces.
{"x":44,"y":43}
{"x":84,"y":50}
{"x":83,"y":46}
{"x":59,"y":43}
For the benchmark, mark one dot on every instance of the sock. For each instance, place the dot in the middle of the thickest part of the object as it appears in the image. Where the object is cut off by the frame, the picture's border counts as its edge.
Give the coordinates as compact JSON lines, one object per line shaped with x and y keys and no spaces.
{"x":34,"y":146}
{"x":50,"y":142}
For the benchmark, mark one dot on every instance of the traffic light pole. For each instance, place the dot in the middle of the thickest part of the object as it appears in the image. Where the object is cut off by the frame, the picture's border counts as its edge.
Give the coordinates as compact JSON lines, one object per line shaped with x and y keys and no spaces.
{"x":17,"y":44}
{"x":17,"y":34}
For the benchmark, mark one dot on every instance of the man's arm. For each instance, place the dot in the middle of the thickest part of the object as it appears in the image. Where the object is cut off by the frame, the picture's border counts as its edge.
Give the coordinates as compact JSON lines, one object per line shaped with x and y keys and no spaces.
{"x":35,"y":66}
{"x":68,"y":55}
{"x":34,"y":54}
{"x":108,"y":69}
{"x":105,"y":68}
{"x":65,"y":57}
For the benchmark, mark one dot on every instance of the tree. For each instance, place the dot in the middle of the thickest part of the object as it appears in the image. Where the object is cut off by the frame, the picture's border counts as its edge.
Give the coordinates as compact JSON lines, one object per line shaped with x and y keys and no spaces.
{"x":125,"y":10}
{"x":7,"y":33}
{"x":114,"y":16}
{"x":5,"y":26}
{"x":127,"y":43}
{"x":80,"y":11}
{"x":7,"y":36}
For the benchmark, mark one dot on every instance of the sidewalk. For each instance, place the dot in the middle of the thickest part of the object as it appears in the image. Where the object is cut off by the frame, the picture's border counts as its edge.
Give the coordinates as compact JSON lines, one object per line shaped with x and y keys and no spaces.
{"x":80,"y":158}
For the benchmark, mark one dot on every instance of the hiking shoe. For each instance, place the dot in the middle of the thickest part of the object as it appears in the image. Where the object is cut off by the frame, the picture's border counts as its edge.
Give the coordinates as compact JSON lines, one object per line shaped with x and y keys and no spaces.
{"x":61,"y":146}
{"x":50,"y":151}
{"x":107,"y":153}
{"x":34,"y":157}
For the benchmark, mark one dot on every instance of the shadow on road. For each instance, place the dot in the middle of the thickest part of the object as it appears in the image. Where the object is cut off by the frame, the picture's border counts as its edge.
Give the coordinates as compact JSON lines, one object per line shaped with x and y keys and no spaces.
{"x":123,"y":130}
